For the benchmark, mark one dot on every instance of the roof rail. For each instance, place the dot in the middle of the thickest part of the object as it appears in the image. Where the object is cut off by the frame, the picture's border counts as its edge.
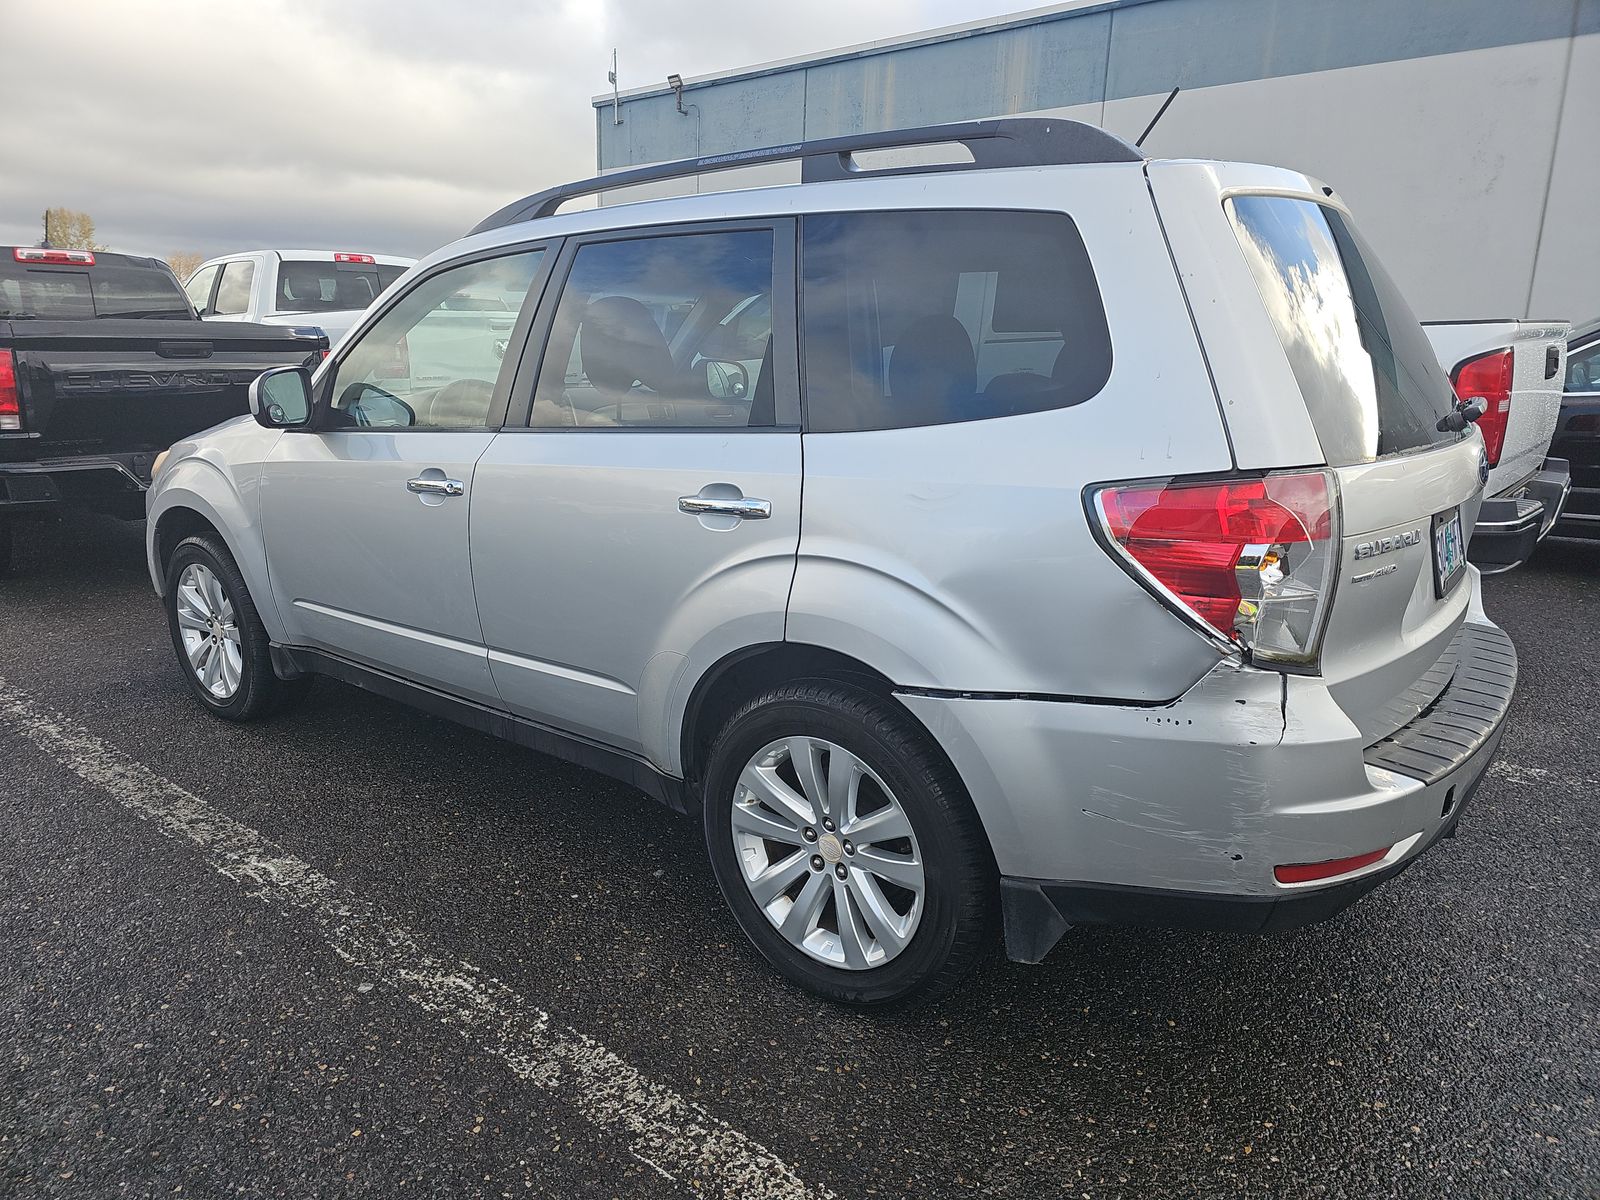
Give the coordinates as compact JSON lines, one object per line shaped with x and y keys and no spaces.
{"x":1011,"y":142}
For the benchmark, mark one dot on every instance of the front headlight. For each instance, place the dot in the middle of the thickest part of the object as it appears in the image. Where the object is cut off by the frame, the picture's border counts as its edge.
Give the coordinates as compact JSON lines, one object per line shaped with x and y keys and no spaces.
{"x":155,"y":467}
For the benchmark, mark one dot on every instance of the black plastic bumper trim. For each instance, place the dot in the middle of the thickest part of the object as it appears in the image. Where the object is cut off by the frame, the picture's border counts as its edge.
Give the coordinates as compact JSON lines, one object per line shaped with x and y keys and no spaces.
{"x":1467,"y":714}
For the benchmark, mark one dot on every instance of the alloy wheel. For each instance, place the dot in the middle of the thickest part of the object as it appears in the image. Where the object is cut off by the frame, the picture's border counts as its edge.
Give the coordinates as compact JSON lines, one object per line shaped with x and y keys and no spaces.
{"x":828,"y":853}
{"x":210,"y":631}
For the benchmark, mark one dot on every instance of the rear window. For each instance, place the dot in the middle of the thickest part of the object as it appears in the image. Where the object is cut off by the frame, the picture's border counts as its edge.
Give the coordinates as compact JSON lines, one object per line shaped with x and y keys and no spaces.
{"x":926,"y":318}
{"x":104,"y":291}
{"x":331,"y":287}
{"x":1370,"y":379}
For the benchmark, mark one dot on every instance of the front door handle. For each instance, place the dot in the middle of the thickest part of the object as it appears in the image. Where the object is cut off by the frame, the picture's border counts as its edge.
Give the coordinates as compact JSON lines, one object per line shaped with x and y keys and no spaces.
{"x":745,"y":507}
{"x":436,"y":487}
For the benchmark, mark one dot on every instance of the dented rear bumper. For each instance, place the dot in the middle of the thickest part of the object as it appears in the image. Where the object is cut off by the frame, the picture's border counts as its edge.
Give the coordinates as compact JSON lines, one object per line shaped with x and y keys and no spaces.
{"x":1178,"y":815}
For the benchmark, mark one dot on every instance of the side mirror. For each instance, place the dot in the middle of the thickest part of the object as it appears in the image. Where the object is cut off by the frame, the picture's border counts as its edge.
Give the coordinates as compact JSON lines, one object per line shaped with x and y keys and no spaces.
{"x":281,"y":398}
{"x":726,"y":380}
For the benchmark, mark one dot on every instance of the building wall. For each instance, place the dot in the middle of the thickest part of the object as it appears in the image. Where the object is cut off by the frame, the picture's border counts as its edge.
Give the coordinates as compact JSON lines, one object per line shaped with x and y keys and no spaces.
{"x":1464,"y":133}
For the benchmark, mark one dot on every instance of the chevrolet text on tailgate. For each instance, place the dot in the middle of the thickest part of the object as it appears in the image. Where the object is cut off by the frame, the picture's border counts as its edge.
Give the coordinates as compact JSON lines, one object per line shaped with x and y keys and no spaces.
{"x":1129,"y":582}
{"x":103,"y":365}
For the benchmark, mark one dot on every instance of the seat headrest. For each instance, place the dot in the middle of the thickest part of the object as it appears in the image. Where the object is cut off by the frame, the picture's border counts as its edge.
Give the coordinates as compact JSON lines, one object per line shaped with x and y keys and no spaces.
{"x":933,"y":362}
{"x":622,"y":345}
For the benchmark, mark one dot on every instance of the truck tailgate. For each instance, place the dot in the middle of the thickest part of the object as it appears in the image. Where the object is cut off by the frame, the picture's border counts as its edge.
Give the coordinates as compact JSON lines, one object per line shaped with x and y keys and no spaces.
{"x":115,"y":386}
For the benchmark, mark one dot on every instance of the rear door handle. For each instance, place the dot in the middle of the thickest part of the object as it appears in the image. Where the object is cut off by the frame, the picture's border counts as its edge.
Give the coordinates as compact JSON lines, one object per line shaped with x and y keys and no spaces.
{"x":745,"y":507}
{"x":436,"y":487}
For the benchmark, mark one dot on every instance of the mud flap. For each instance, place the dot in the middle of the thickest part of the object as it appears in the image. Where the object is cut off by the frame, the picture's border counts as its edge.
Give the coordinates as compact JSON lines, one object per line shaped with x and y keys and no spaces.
{"x":1033,"y":924}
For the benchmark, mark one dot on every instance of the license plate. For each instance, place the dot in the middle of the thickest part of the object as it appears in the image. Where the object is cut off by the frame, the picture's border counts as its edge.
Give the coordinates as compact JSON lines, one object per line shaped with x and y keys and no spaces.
{"x":1449,"y":552}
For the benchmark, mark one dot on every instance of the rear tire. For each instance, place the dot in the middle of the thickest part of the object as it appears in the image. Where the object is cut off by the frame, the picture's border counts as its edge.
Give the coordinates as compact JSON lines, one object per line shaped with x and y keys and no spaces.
{"x":223,"y":649}
{"x":918,"y":910}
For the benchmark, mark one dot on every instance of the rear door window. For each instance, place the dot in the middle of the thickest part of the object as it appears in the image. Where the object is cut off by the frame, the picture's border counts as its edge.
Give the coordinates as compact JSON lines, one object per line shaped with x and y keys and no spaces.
{"x":669,"y":332}
{"x":926,"y":318}
{"x":233,"y":293}
{"x":1370,"y":379}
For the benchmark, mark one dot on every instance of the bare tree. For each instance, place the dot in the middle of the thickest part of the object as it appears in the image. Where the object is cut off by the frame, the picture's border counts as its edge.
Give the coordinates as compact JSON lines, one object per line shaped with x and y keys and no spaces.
{"x":184,"y":262}
{"x":66,"y":229}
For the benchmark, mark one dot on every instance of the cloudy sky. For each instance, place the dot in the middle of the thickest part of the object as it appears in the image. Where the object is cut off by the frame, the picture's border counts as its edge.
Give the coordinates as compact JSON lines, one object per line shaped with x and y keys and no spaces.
{"x":384,"y":125}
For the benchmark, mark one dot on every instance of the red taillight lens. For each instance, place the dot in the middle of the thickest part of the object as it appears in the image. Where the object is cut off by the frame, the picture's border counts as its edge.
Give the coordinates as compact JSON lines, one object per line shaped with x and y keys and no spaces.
{"x":10,"y":394}
{"x":1489,"y":376}
{"x":1251,"y":558}
{"x":1307,"y":872}
{"x":354,"y":258}
{"x":35,"y":254}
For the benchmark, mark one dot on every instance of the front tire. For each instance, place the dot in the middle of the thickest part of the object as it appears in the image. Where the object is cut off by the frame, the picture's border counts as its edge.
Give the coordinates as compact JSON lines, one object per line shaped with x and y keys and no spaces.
{"x":222,"y":647}
{"x":902,"y":904}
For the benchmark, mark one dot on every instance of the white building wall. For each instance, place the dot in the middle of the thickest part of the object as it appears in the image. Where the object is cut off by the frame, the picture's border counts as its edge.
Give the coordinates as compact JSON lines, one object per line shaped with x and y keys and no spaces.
{"x":1465,"y":134}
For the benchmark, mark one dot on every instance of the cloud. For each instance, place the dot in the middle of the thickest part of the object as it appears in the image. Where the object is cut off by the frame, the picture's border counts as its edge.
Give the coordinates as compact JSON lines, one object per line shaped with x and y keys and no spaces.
{"x":382,"y":125}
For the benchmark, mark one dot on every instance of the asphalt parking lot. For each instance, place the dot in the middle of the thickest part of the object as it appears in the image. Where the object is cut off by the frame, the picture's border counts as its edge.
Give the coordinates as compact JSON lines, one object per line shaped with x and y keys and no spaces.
{"x":360,"y":951}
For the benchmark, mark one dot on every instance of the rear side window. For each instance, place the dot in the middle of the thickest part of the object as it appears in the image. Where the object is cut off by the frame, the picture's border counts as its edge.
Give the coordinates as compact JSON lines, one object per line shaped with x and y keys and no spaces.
{"x":926,"y":318}
{"x":1370,"y":379}
{"x":233,"y":293}
{"x":105,"y":290}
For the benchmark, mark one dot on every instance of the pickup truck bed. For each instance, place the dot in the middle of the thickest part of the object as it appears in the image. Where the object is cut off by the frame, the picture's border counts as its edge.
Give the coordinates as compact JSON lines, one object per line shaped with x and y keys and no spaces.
{"x":97,"y":400}
{"x":1526,"y":489}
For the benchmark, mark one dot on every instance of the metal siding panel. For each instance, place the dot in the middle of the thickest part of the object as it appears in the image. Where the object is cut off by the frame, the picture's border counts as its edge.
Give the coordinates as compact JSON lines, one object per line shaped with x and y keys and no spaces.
{"x":1043,"y":66}
{"x":1201,"y":43}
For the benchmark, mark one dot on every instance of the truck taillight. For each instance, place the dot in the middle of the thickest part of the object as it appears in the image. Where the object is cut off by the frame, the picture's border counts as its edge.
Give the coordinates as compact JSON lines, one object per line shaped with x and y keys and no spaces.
{"x":1489,"y":376}
{"x":1252,"y":561}
{"x":354,"y":258}
{"x":10,"y":394}
{"x":40,"y":254}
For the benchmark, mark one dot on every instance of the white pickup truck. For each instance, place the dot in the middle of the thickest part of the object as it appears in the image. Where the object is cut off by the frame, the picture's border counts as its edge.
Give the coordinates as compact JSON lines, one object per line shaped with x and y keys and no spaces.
{"x":325,"y":289}
{"x":1517,"y":367}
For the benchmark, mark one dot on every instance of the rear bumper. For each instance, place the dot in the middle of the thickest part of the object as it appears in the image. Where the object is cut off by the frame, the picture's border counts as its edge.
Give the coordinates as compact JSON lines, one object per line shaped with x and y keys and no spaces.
{"x":1178,"y":815}
{"x":1510,"y":526}
{"x":104,"y":479}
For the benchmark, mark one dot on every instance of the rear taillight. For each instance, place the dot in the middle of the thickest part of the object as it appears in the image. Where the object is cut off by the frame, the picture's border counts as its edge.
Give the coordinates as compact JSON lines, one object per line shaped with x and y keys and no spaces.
{"x":354,"y":258}
{"x":1251,"y":560}
{"x":1489,"y":376}
{"x":10,"y":394}
{"x":40,"y":254}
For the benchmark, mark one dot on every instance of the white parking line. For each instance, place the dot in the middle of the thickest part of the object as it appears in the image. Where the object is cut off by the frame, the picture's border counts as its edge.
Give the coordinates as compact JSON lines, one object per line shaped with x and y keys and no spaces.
{"x":1517,"y":773}
{"x":675,"y":1137}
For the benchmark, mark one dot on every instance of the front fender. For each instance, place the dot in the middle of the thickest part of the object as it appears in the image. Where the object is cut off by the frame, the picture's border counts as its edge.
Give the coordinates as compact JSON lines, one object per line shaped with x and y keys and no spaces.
{"x":226,"y":495}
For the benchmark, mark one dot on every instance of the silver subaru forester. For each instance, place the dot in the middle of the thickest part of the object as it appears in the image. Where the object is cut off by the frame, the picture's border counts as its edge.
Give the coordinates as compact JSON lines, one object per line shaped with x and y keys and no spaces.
{"x":1047,"y":537}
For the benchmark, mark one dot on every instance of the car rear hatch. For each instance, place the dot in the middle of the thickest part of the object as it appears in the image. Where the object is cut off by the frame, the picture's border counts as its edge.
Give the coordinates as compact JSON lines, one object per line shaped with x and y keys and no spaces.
{"x":1331,"y":370}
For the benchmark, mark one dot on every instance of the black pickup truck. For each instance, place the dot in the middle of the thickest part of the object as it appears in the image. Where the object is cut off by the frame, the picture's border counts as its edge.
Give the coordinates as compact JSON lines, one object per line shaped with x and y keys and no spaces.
{"x":103,"y":365}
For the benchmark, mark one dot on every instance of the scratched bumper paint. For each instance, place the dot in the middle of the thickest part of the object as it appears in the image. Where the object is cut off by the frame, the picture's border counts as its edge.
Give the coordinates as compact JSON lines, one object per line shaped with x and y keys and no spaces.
{"x":1248,"y":770}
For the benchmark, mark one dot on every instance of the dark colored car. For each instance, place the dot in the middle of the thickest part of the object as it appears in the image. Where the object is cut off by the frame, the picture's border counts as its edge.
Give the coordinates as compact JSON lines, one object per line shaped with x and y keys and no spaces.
{"x":103,"y":365}
{"x":1578,"y":433}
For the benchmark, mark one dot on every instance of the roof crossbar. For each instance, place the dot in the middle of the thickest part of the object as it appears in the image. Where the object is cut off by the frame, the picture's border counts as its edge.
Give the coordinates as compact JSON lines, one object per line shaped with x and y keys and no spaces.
{"x":1010,"y":142}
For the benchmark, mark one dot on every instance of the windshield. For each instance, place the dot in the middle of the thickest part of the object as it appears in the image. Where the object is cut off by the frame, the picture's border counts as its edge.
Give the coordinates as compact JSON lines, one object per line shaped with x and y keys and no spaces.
{"x":104,"y":291}
{"x":310,"y":287}
{"x":1369,"y":376}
